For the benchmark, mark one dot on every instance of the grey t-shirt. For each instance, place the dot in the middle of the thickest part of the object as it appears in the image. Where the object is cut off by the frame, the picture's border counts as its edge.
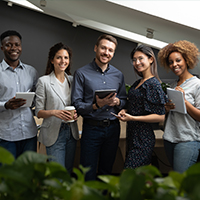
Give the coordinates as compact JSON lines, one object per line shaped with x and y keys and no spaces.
{"x":182,"y":127}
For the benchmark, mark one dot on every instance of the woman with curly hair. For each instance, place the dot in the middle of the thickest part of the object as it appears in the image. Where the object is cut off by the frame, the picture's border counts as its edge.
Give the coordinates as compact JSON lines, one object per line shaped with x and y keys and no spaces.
{"x":182,"y":131}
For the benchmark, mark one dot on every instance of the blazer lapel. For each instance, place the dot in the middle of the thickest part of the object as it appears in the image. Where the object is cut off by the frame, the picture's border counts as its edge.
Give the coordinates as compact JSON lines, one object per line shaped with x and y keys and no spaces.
{"x":56,"y":88}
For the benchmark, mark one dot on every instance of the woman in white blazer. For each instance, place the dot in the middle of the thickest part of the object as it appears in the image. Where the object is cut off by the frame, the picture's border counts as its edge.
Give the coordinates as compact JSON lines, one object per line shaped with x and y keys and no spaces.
{"x":53,"y":93}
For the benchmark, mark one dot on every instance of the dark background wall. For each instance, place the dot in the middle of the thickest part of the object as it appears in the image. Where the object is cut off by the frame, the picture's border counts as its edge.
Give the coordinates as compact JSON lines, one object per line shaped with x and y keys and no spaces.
{"x":40,"y":32}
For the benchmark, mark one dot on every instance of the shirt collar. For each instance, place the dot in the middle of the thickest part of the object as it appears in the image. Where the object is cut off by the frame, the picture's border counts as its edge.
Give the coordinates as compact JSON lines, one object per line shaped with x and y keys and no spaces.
{"x":96,"y":67}
{"x":6,"y":66}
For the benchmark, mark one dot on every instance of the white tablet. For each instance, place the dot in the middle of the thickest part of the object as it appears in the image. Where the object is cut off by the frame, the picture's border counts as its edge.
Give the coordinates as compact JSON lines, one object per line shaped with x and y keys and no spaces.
{"x":178,"y":99}
{"x":26,"y":95}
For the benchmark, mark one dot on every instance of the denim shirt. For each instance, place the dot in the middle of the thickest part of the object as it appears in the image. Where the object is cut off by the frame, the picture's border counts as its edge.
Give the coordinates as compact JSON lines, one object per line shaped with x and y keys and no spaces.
{"x":16,"y":124}
{"x":89,"y":78}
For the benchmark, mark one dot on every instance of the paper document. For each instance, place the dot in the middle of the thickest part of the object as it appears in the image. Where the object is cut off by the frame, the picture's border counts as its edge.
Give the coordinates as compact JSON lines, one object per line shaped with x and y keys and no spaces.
{"x":26,"y":95}
{"x":178,"y":99}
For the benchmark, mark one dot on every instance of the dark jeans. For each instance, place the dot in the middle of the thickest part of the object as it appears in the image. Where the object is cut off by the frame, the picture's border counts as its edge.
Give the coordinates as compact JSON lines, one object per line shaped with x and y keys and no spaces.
{"x":98,"y":148}
{"x":19,"y":147}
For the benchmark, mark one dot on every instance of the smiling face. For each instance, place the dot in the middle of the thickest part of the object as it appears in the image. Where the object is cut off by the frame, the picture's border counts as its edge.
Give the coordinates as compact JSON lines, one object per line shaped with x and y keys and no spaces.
{"x":11,"y":47}
{"x":141,"y":62}
{"x":61,"y":61}
{"x":177,"y":63}
{"x":104,"y":52}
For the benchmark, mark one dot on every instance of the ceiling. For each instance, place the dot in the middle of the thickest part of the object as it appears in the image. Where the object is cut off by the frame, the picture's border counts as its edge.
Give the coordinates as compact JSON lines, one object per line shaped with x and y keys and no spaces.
{"x":118,"y":20}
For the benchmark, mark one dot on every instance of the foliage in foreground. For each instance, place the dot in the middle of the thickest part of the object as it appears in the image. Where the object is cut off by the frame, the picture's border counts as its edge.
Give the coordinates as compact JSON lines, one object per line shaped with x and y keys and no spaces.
{"x":31,"y":177}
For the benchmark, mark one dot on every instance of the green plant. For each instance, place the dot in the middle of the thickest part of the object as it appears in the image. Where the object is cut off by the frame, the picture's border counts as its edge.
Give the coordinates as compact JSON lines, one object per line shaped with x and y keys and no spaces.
{"x":127,"y":87}
{"x":31,"y":177}
{"x":165,"y":86}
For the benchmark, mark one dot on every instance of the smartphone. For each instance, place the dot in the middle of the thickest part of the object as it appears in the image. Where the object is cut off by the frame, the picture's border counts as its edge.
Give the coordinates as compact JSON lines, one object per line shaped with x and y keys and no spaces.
{"x":118,"y":116}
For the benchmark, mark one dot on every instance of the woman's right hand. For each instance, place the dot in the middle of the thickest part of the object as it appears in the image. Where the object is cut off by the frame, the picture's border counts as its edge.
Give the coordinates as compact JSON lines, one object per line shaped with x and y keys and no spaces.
{"x":123,"y":115}
{"x":62,"y":114}
{"x":169,"y":105}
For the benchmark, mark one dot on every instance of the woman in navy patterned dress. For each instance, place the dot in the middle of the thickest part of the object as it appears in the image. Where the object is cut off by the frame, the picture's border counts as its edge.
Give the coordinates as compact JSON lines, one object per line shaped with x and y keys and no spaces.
{"x":145,"y":107}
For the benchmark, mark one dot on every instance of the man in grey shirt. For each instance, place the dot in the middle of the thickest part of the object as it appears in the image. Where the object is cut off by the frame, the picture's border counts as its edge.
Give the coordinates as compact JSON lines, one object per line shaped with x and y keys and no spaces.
{"x":18,"y":129}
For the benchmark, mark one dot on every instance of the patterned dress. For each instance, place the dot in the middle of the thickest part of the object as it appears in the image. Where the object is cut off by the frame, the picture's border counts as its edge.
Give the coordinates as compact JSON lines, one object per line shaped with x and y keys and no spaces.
{"x":149,"y":98}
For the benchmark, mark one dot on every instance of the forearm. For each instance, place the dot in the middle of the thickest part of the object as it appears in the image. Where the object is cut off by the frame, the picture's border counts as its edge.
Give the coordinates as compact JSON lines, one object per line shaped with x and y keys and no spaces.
{"x":192,"y":111}
{"x":151,"y":118}
{"x":46,"y":113}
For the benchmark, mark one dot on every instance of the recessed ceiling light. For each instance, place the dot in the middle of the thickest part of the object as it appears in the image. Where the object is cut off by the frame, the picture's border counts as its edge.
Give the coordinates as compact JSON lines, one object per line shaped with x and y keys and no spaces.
{"x":26,"y":4}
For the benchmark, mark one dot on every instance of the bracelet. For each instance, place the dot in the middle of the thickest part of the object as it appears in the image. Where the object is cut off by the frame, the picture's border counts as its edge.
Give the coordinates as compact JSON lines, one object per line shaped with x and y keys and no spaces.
{"x":97,"y":105}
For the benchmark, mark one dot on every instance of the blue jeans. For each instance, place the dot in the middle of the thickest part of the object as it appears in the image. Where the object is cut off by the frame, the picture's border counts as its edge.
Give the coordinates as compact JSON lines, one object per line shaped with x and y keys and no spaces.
{"x":19,"y":147}
{"x":98,"y":148}
{"x":63,"y":150}
{"x":182,"y":155}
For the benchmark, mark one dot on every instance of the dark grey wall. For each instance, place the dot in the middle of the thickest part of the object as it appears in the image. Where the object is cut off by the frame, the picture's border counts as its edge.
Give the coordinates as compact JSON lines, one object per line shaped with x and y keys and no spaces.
{"x":40,"y":32}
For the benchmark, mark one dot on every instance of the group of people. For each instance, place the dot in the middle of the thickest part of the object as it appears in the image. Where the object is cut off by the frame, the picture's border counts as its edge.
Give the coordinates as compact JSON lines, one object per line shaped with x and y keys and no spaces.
{"x":144,"y":105}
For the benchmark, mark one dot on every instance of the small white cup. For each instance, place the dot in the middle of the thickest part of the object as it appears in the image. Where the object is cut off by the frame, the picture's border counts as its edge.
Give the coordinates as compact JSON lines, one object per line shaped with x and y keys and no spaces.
{"x":71,"y":109}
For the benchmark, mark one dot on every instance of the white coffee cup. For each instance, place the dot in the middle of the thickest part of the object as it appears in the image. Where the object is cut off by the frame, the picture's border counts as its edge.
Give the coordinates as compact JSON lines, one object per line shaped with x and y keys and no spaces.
{"x":70,"y":109}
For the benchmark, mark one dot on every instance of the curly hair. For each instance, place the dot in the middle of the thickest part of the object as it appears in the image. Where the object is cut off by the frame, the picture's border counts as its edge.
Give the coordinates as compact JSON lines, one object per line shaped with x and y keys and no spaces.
{"x":188,"y":50}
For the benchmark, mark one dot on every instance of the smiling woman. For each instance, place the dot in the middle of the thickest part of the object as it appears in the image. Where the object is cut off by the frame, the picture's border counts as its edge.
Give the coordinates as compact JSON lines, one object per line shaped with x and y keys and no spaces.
{"x":182,"y":132}
{"x":53,"y":94}
{"x":145,"y":107}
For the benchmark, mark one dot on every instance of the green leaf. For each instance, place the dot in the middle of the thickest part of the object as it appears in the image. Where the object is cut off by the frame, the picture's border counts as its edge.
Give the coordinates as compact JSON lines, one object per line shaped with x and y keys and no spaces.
{"x":194,"y":169}
{"x":6,"y":157}
{"x":163,"y":194}
{"x":131,"y":185}
{"x":10,"y":173}
{"x":84,"y":169}
{"x":149,"y":170}
{"x":80,"y":176}
{"x":29,"y":157}
{"x":127,"y":88}
{"x":190,"y":182}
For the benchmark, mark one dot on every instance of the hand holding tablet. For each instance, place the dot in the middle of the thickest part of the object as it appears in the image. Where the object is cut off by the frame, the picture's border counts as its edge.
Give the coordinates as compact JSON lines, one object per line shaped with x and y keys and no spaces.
{"x":104,"y":93}
{"x":26,"y":95}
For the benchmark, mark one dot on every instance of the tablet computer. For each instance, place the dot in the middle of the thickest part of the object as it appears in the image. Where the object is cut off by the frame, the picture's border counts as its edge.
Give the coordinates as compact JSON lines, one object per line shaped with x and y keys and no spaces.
{"x":103,"y":93}
{"x":178,"y":99}
{"x":26,"y":95}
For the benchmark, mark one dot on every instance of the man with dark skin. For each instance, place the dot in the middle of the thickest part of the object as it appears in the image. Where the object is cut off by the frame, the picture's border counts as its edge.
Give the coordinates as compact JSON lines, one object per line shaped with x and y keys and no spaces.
{"x":17,"y":126}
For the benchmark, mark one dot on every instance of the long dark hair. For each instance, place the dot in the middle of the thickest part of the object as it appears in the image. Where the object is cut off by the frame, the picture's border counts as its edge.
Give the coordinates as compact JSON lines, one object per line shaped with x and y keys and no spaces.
{"x":52,"y":52}
{"x":149,"y":53}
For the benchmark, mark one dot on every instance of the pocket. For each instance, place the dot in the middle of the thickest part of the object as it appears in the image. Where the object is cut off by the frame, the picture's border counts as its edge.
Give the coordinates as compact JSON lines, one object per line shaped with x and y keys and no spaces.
{"x":45,"y":124}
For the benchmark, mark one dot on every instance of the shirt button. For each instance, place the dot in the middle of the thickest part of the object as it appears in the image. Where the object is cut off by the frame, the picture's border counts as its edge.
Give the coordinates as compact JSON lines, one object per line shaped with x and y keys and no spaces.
{"x":104,"y":82}
{"x":106,"y":109}
{"x":102,"y":74}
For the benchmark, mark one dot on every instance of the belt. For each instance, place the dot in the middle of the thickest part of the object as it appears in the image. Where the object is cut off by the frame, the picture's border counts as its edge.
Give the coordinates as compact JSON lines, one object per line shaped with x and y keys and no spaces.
{"x":104,"y":122}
